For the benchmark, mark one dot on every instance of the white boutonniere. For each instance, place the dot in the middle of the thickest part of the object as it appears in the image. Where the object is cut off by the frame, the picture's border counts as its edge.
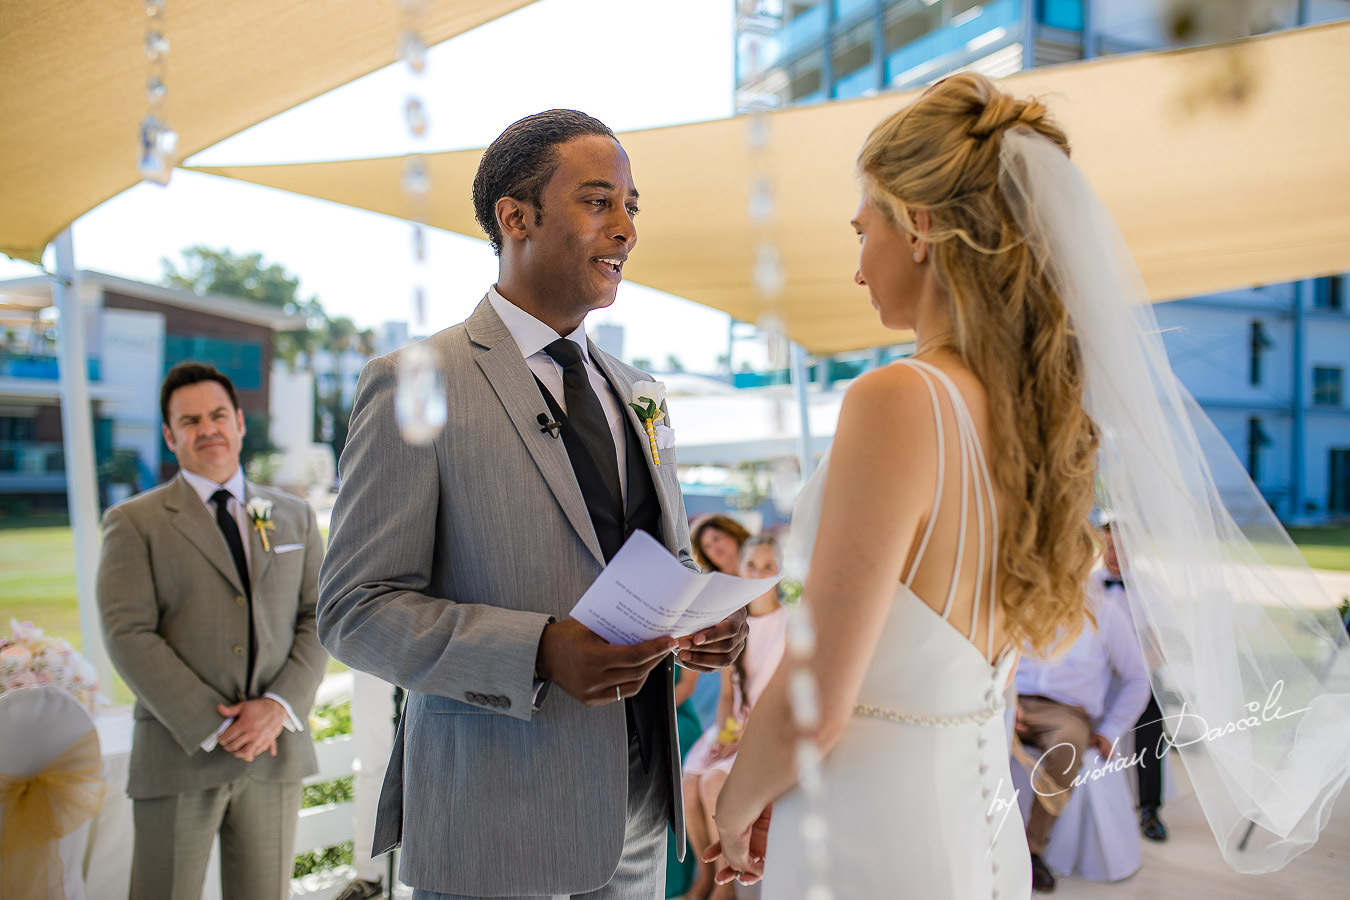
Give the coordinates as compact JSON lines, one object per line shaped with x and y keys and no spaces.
{"x":260,"y":514}
{"x":647,"y":399}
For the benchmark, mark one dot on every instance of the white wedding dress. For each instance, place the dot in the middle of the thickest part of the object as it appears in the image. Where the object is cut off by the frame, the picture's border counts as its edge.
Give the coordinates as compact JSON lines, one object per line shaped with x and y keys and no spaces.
{"x":917,"y":798}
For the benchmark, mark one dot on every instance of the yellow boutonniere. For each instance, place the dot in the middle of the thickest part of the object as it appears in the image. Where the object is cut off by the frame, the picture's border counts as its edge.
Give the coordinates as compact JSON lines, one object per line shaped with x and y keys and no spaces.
{"x":647,"y":399}
{"x":260,"y":513}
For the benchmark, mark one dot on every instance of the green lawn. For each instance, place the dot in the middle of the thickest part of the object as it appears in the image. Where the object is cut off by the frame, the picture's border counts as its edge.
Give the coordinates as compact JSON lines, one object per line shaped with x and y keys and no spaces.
{"x":1324,"y":548}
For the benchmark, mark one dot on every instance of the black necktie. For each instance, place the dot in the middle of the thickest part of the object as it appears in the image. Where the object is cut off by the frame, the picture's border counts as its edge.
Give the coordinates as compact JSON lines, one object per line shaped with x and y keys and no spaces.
{"x":230,"y":528}
{"x":590,"y":444}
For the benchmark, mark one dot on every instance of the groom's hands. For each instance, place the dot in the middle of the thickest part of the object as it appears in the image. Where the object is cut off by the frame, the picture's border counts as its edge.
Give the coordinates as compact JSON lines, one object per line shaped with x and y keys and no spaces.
{"x":716,"y":647}
{"x":590,"y":668}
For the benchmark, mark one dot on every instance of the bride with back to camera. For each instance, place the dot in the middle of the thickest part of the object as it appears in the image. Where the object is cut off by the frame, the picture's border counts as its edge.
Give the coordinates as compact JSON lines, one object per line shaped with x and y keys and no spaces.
{"x":949,"y":527}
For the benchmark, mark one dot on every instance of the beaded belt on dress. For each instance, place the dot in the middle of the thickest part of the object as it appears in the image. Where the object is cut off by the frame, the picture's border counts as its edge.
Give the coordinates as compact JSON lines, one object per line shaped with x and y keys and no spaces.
{"x":979,"y":717}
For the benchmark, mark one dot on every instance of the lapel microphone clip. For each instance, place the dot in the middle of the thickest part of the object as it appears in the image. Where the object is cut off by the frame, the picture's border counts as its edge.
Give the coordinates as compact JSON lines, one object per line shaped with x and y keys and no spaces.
{"x":548,"y":427}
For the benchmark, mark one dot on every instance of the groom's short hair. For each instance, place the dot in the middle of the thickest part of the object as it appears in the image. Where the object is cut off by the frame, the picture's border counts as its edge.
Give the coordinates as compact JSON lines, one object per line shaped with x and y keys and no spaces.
{"x":520,"y":162}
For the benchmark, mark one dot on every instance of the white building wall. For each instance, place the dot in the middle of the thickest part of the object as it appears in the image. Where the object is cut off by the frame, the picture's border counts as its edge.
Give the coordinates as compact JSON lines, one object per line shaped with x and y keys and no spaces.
{"x":304,"y":463}
{"x":131,"y":358}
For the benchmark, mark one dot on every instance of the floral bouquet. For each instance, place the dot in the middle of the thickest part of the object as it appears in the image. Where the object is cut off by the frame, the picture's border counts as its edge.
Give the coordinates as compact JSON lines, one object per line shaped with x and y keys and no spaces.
{"x":28,"y":658}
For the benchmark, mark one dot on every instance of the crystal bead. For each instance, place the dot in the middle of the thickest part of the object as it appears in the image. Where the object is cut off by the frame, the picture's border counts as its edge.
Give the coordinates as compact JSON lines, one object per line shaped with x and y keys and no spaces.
{"x":156,"y":45}
{"x":416,"y":178}
{"x":757,"y":131}
{"x":419,"y":398}
{"x":761,"y":200}
{"x":156,"y":154}
{"x":154,"y":9}
{"x":419,"y":243}
{"x":775,"y":339}
{"x":813,"y":828}
{"x":415,"y":113}
{"x":420,"y":307}
{"x":804,"y":697}
{"x":768,"y":271}
{"x":413,"y":51}
{"x":801,"y":636}
{"x":155,"y":90}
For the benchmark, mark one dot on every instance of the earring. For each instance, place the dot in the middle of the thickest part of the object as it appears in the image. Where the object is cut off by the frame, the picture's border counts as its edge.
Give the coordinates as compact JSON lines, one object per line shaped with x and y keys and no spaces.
{"x":916,"y":255}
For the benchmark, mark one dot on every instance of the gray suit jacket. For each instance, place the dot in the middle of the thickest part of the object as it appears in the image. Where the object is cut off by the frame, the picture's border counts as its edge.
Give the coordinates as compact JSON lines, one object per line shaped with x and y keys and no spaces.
{"x":176,"y":625}
{"x":445,"y":563}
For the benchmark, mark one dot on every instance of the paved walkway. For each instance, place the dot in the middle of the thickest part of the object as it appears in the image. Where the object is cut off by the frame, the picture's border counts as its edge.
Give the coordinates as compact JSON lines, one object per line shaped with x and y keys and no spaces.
{"x":1189,"y":864}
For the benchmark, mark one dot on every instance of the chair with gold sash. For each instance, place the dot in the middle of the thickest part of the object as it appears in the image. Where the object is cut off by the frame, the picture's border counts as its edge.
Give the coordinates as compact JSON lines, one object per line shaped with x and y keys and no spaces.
{"x":51,"y":785}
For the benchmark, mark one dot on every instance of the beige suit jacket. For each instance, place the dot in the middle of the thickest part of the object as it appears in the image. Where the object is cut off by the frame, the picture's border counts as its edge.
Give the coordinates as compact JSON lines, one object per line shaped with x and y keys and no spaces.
{"x":176,"y":624}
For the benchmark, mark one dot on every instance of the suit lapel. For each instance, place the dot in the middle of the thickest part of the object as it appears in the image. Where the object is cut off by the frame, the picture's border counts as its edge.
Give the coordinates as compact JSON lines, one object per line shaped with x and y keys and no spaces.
{"x":190,"y":516}
{"x":510,"y":377}
{"x":259,"y":560}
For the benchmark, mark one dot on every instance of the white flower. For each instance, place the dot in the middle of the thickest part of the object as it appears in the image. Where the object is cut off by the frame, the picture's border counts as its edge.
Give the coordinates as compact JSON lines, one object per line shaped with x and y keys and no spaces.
{"x":655,"y":391}
{"x":259,"y":510}
{"x":665,"y":437}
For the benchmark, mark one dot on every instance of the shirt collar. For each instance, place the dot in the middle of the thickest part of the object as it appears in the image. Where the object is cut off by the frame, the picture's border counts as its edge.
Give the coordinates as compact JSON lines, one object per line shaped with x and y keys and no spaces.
{"x":205,"y":487}
{"x":530,"y":334}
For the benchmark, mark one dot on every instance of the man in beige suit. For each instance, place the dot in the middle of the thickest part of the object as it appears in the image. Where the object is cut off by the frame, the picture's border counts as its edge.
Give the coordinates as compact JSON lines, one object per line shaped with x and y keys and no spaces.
{"x":207,"y":586}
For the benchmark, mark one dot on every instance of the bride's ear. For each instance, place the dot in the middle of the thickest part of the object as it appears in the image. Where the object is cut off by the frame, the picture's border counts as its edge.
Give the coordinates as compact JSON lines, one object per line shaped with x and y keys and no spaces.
{"x":922,"y":222}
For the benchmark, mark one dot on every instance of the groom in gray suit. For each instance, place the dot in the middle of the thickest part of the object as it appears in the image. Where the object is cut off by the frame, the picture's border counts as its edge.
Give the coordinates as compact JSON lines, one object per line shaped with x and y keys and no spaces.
{"x":534,"y":759}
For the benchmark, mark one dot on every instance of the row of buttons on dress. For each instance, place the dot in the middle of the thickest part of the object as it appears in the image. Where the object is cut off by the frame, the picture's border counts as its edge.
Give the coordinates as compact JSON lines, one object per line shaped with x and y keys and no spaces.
{"x":985,"y":791}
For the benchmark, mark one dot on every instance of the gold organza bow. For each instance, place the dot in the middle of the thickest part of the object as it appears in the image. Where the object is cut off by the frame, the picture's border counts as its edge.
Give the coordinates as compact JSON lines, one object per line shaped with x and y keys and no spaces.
{"x":39,"y":811}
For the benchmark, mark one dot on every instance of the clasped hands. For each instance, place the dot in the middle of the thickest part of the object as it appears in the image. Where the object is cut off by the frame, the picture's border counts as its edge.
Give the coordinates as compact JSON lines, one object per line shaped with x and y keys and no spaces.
{"x":595,"y":671}
{"x":255,"y":728}
{"x":738,"y":853}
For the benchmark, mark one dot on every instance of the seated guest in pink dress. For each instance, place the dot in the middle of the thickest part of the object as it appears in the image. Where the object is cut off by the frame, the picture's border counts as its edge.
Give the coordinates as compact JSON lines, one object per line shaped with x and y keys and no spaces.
{"x":709,"y":760}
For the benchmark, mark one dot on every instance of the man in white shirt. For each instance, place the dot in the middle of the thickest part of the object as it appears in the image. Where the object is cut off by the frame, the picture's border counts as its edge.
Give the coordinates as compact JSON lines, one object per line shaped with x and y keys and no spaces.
{"x":208,"y":586}
{"x":1089,"y":697}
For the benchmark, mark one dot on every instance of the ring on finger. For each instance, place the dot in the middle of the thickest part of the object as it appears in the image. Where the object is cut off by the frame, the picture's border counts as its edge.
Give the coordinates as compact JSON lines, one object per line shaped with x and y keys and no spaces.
{"x":618,"y":693}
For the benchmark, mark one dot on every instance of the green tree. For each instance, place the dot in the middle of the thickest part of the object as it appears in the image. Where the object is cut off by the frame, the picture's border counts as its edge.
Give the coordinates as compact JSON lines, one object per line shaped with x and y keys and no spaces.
{"x":204,"y":270}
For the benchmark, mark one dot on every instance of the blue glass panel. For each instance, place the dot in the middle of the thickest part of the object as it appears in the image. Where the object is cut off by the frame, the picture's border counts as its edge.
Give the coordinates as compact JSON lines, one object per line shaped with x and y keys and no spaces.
{"x":44,"y":368}
{"x":1060,"y":14}
{"x":845,"y":8}
{"x":855,"y":83}
{"x":241,"y":361}
{"x":804,"y":28}
{"x":952,"y":38}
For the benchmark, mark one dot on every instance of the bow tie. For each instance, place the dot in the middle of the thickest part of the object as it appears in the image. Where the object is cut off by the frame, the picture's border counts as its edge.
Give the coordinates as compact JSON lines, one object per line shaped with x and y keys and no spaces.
{"x":1109,"y":583}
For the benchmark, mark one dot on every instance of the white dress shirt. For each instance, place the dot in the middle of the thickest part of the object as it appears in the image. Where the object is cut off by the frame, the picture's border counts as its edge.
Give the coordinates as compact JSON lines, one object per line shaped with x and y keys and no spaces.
{"x":1103,"y":665}
{"x":205,"y":488}
{"x":532,"y":336}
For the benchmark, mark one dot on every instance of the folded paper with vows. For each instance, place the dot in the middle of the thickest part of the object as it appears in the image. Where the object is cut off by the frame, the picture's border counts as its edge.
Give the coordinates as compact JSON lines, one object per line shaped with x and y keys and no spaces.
{"x":645,"y":592}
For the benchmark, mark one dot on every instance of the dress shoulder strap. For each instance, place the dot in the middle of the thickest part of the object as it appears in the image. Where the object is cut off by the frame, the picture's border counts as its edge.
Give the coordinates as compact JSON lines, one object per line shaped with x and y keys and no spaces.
{"x":977,"y":493}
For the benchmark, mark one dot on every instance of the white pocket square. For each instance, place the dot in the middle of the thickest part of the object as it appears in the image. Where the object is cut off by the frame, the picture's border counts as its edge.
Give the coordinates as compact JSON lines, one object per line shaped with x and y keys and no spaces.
{"x":287,"y":548}
{"x":665,"y":437}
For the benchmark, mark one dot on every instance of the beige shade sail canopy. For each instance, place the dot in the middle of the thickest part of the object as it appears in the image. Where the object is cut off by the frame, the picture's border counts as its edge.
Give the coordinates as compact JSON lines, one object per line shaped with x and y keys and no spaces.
{"x":1211,"y":191}
{"x":73,"y":75}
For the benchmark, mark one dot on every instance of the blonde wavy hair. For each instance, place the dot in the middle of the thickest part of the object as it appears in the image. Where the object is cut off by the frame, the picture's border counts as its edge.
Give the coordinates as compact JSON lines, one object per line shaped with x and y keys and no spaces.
{"x":941,"y":155}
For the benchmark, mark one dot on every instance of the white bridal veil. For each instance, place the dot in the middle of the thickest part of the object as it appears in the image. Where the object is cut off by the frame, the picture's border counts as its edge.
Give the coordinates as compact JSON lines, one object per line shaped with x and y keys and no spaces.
{"x":1250,"y":665}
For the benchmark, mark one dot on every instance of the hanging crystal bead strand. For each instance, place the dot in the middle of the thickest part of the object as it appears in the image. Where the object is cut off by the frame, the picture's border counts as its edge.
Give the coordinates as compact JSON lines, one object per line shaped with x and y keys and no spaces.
{"x":157,"y":140}
{"x":420,"y":397}
{"x":767,"y":271}
{"x":804,"y":696}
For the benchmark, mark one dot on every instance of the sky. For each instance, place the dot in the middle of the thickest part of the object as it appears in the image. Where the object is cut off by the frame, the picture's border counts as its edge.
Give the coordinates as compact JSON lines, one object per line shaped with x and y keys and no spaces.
{"x":630,"y":63}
